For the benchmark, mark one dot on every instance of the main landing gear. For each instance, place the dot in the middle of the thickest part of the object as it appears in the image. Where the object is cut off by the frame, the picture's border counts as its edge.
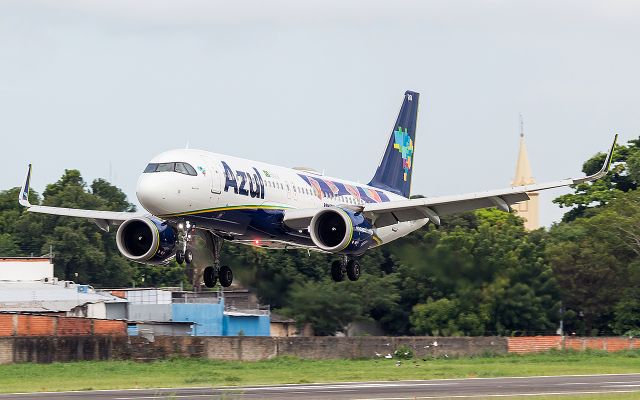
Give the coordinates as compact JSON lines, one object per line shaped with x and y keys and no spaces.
{"x":349,"y":266}
{"x":211,"y":274}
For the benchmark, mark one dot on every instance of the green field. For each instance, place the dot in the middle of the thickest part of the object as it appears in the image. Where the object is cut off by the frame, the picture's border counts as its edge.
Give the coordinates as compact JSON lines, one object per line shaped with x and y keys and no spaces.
{"x":604,"y":396}
{"x":196,"y":372}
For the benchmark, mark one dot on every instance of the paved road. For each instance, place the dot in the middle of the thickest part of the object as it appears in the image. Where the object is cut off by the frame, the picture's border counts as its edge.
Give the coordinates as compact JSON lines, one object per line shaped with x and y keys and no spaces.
{"x":397,"y":390}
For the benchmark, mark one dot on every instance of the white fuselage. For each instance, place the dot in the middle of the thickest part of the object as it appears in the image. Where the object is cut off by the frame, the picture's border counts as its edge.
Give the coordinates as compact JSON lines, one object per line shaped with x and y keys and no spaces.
{"x":225,"y":183}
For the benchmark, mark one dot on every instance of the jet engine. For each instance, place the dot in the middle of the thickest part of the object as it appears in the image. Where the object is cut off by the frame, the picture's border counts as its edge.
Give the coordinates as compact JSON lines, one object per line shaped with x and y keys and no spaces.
{"x":146,"y":240}
{"x":337,"y":230}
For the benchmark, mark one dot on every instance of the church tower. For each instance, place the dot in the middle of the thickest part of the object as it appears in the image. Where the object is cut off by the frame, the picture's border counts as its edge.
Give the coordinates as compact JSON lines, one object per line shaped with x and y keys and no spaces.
{"x":527,"y":210}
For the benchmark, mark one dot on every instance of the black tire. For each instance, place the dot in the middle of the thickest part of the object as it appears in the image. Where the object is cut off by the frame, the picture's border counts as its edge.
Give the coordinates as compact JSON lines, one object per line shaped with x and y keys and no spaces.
{"x":225,"y":276}
{"x":209,"y":277}
{"x":179,"y":257}
{"x":337,"y":271}
{"x":353,"y":270}
{"x":188,"y":257}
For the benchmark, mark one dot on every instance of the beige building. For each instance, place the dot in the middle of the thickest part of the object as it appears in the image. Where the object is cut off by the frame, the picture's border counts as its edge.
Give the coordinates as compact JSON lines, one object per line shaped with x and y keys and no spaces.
{"x":527,"y":210}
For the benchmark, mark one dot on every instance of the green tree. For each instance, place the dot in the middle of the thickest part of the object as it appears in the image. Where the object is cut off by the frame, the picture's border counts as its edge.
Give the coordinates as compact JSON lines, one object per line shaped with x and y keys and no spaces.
{"x":624,"y":177}
{"x":326,"y":306}
{"x":594,"y":259}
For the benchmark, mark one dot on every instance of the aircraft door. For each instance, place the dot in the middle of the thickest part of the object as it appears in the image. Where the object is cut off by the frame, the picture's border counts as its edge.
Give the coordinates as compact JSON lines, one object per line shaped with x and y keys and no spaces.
{"x":216,"y":179}
{"x":213,"y":175}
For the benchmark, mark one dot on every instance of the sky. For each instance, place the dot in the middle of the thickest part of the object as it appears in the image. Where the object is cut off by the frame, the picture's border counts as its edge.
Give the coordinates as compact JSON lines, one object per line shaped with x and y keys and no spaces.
{"x":103,"y":86}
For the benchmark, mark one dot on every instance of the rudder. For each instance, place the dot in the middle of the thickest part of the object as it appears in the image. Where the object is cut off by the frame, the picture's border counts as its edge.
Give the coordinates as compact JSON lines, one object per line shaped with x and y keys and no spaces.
{"x":395,"y":169}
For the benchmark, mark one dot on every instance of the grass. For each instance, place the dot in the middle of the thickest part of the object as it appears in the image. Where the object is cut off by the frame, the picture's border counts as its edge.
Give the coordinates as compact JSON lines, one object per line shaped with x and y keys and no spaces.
{"x":603,"y":396}
{"x":197,"y":372}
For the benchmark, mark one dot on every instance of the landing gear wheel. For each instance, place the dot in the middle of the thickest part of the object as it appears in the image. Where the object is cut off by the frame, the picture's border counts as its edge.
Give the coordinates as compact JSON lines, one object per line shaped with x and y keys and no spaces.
{"x":353,"y":270}
{"x":209,"y":277}
{"x":337,"y":271}
{"x":179,"y":257}
{"x":226,"y":276}
{"x":188,"y":256}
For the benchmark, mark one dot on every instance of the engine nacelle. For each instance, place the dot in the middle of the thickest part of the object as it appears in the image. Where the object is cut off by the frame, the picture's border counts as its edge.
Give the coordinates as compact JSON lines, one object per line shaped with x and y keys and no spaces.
{"x":146,"y":240}
{"x":337,"y":230}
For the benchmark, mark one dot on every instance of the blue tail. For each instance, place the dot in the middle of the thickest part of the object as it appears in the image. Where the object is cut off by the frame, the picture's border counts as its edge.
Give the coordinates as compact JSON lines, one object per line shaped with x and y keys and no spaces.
{"x":394,"y":172}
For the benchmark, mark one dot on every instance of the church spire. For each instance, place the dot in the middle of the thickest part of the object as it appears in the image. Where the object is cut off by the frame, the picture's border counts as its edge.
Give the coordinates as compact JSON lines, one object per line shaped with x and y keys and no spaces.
{"x":529,"y":209}
{"x":523,"y":168}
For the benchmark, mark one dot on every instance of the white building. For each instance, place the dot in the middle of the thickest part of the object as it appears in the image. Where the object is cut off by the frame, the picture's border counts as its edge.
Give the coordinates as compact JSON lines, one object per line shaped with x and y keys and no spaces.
{"x":19,"y":269}
{"x":28,"y":285}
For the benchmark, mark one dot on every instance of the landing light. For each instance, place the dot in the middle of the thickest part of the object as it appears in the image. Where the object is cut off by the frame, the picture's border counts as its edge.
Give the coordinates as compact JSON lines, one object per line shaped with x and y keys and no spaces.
{"x":256,"y":242}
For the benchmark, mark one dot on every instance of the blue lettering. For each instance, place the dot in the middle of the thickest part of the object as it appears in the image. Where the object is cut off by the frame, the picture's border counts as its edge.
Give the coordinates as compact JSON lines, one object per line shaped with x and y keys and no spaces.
{"x":230,"y":179}
{"x":238,"y":181}
{"x":243,"y":180}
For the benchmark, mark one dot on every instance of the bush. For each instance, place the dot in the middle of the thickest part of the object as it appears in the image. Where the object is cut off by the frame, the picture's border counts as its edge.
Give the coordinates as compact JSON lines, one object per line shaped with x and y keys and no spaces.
{"x":403,"y":352}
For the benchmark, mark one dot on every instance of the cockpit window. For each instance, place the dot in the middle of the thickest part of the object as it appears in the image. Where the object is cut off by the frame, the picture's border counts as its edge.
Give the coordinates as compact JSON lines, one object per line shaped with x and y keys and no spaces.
{"x":166,"y":167}
{"x":190,"y":169}
{"x":179,"y":167}
{"x":151,"y":168}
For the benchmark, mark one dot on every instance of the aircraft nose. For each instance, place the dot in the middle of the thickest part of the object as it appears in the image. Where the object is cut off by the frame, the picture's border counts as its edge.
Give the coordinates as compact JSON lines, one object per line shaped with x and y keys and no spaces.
{"x":151,"y":194}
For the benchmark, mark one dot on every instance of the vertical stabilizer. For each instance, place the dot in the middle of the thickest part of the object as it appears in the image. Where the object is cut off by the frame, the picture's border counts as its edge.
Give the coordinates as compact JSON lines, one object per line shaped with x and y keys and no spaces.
{"x":395,"y":169}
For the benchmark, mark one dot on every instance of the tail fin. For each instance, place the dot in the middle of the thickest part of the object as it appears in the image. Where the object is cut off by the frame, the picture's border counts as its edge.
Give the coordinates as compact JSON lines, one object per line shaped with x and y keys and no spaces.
{"x":394,"y":172}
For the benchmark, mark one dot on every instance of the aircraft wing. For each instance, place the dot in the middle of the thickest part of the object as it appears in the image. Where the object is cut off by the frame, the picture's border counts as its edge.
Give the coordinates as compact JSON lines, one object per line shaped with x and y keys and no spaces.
{"x":390,"y":213}
{"x":101,"y":218}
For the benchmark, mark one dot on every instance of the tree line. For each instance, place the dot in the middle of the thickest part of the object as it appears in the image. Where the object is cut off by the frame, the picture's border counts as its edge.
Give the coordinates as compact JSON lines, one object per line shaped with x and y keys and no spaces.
{"x":480,"y":273}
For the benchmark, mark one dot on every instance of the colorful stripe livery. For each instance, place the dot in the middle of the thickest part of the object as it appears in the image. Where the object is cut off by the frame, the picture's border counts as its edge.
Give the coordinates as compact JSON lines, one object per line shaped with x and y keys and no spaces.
{"x":394,"y":172}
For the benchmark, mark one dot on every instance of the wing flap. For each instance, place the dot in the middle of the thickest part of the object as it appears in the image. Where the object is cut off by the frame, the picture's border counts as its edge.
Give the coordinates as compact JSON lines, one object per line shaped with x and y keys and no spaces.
{"x":300,"y":218}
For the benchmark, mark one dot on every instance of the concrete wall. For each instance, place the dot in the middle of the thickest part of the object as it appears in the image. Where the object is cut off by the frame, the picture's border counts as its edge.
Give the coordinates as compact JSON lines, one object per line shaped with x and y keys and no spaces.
{"x":25,"y":269}
{"x":59,"y":349}
{"x":246,"y":348}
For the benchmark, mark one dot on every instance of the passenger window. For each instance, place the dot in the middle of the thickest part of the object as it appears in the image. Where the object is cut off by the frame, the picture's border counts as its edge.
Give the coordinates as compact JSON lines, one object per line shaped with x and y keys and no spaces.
{"x":165,"y":167}
{"x":150,"y":168}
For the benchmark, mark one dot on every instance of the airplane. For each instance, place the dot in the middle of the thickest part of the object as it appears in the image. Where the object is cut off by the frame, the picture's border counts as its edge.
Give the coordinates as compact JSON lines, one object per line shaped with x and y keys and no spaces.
{"x":193,"y":194}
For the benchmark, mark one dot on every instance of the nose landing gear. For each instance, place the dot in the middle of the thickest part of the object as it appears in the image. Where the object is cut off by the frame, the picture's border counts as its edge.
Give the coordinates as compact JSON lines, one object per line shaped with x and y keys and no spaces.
{"x":349,"y":266}
{"x":183,"y":254}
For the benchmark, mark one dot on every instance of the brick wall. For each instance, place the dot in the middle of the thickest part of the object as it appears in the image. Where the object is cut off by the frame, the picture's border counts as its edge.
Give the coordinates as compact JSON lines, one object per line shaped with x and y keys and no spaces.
{"x":109,"y":327}
{"x":6,"y":325}
{"x":74,"y":326}
{"x":52,"y":325}
{"x":536,"y":344}
{"x":35,"y":325}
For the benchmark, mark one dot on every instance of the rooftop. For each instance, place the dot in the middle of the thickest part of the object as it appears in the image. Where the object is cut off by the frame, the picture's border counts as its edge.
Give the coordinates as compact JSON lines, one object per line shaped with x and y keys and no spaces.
{"x":52,"y":296}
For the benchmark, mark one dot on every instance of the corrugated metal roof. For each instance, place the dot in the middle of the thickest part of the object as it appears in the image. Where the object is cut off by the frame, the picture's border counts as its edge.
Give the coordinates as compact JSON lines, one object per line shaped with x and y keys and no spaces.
{"x":48,"y":297}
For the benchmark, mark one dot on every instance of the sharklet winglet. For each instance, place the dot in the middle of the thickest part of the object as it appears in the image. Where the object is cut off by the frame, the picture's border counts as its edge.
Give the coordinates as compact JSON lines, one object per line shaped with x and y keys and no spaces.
{"x":23,"y":197}
{"x":606,"y":166}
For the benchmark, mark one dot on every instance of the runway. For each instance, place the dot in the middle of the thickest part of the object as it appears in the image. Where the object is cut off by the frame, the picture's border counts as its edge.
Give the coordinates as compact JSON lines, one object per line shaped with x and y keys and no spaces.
{"x":391,"y":390}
